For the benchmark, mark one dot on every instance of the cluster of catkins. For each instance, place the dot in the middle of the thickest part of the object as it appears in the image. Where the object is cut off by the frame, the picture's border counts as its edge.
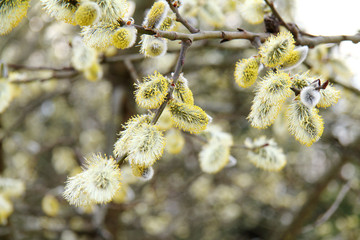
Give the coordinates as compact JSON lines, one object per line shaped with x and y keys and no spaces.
{"x":142,"y":141}
{"x":279,"y":54}
{"x":104,"y":23}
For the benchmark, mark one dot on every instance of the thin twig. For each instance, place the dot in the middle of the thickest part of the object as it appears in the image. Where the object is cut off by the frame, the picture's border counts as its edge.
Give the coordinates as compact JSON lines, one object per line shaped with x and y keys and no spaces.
{"x":131,"y":68}
{"x":184,"y":46}
{"x":180,"y":19}
{"x":277,"y":15}
{"x":340,"y":197}
{"x":29,"y":68}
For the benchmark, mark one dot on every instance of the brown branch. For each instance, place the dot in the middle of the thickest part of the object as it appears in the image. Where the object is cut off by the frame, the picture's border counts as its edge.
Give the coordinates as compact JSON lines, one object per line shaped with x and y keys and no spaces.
{"x":180,"y":19}
{"x":326,"y":216}
{"x":203,"y":35}
{"x":277,"y":15}
{"x":29,"y":68}
{"x":307,"y":209}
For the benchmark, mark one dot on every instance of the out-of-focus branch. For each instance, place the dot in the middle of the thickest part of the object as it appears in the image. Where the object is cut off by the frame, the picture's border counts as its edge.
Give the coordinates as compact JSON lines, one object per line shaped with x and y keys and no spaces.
{"x":56,"y":75}
{"x":333,"y":80}
{"x":340,"y":197}
{"x":277,"y":15}
{"x":304,"y":213}
{"x":29,"y":68}
{"x":180,"y":19}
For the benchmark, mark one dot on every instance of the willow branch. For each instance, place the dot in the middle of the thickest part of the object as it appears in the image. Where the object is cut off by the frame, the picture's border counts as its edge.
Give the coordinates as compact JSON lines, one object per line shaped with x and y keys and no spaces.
{"x":310,"y":41}
{"x":180,"y":19}
{"x":29,"y":68}
{"x":180,"y":63}
{"x":277,"y":15}
{"x":312,"y":202}
{"x":340,"y":197}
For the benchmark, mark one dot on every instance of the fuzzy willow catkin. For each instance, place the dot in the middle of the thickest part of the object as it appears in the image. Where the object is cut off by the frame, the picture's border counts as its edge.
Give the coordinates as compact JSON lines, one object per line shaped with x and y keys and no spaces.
{"x":246,"y":72}
{"x":263,"y":113}
{"x":295,"y":58}
{"x":146,"y":145}
{"x":124,"y":37}
{"x":87,"y":13}
{"x":275,"y":87}
{"x":156,"y":15}
{"x":214,"y":157}
{"x":304,"y":123}
{"x":63,"y":10}
{"x":329,"y":97}
{"x":152,"y":46}
{"x":188,"y":117}
{"x":276,"y":49}
{"x":265,"y":154}
{"x":11,"y":13}
{"x":99,"y":36}
{"x":152,"y":92}
{"x":98,"y":183}
{"x":121,"y":145}
{"x":182,"y":91}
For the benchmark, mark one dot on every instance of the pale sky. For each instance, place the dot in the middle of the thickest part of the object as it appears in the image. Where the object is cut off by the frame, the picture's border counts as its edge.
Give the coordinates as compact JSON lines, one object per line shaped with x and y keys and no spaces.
{"x":333,"y":17}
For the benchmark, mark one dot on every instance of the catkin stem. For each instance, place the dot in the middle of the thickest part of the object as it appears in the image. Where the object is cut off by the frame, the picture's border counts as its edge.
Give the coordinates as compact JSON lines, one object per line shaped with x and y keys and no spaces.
{"x":180,"y":63}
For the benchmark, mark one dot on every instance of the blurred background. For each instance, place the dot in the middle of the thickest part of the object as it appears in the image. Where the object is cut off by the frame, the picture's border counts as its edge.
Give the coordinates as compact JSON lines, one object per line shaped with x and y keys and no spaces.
{"x":53,"y":123}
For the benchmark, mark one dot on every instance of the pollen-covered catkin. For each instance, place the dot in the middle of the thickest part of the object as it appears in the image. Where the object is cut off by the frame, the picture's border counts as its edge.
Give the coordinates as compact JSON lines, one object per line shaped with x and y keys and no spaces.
{"x":274,"y":88}
{"x":98,"y":183}
{"x":329,"y":97}
{"x":304,"y":123}
{"x":276,"y":49}
{"x":124,"y":37}
{"x":156,"y":14}
{"x":99,"y":36}
{"x":11,"y":13}
{"x":295,"y":58}
{"x":146,"y":145}
{"x":121,"y":145}
{"x":153,"y":46}
{"x":62,"y":10}
{"x":246,"y":72}
{"x":152,"y":92}
{"x":263,"y":113}
{"x":182,"y":92}
{"x":88,"y":13}
{"x":188,"y":117}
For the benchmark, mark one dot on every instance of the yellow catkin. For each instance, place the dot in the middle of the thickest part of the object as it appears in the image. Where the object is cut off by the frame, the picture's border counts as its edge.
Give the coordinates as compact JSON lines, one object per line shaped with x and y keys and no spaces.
{"x":62,"y":10}
{"x":94,"y":72}
{"x":146,"y":146}
{"x":246,"y":72}
{"x":88,"y":13}
{"x":11,"y":13}
{"x":153,"y":46}
{"x":277,"y":49}
{"x":156,"y":15}
{"x":152,"y":92}
{"x":188,"y":117}
{"x":304,"y":123}
{"x":274,"y":88}
{"x":182,"y":91}
{"x":124,"y":37}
